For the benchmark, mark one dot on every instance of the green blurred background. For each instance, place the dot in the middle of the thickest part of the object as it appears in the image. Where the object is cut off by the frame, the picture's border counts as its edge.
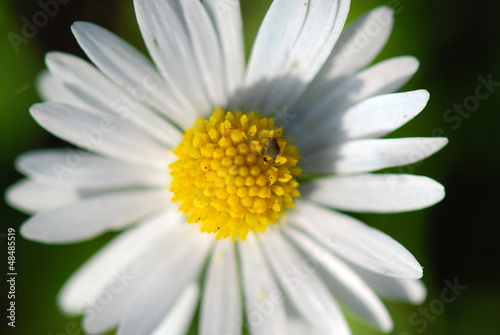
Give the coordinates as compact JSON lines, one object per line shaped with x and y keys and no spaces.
{"x":455,"y":41}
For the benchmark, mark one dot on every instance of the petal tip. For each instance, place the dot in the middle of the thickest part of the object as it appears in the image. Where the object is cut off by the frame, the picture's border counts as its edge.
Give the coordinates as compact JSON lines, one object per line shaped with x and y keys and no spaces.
{"x":386,"y":325}
{"x":443,"y":141}
{"x":424,"y":93}
{"x":37,"y":111}
{"x":11,"y":196}
{"x":413,"y":62}
{"x":385,"y":9}
{"x":81,"y":27}
{"x":65,"y":302}
{"x":418,"y":294}
{"x":26,"y":231}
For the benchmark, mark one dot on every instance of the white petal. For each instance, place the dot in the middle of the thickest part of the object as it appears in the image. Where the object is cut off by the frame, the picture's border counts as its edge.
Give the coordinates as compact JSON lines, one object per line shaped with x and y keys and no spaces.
{"x":299,"y":326}
{"x":164,"y":32}
{"x":90,"y":217}
{"x":179,"y":317}
{"x":397,"y":289}
{"x":355,"y":241}
{"x":162,"y":290}
{"x":372,"y":154}
{"x":226,"y":15}
{"x":358,"y":45}
{"x":101,"y":95}
{"x":373,"y":117}
{"x":264,"y":301}
{"x":376,"y":193}
{"x":32,"y":196}
{"x":50,"y":89}
{"x":154,"y":263}
{"x":206,"y":49}
{"x":107,"y":265}
{"x":131,"y":70}
{"x":221,"y":304}
{"x":385,"y":77}
{"x":68,"y":167}
{"x":325,"y":21}
{"x":102,"y":134}
{"x":347,"y":286}
{"x":302,"y":286}
{"x":277,"y":33}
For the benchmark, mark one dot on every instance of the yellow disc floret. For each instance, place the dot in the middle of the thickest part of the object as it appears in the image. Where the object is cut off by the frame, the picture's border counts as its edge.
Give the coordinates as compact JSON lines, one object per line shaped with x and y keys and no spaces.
{"x":235,"y":173}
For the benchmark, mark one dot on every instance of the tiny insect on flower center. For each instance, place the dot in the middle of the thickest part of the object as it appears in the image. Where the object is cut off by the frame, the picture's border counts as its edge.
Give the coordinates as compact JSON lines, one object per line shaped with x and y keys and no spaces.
{"x":235,"y":173}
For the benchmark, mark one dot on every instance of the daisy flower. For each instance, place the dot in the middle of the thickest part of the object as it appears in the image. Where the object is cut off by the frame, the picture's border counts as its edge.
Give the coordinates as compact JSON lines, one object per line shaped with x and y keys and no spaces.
{"x":228,"y":180}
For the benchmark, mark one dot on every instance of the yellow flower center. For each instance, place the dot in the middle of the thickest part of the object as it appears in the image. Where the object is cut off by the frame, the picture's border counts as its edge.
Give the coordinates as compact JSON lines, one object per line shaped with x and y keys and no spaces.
{"x":235,"y":173}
